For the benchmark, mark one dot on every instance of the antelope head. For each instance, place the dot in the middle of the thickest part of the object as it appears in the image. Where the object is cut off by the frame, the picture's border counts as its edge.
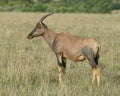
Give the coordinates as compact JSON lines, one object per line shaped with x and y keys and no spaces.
{"x":39,"y":29}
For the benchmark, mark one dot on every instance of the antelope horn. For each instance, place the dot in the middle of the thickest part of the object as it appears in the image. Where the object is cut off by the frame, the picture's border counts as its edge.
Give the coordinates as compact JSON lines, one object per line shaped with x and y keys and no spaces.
{"x":41,"y":20}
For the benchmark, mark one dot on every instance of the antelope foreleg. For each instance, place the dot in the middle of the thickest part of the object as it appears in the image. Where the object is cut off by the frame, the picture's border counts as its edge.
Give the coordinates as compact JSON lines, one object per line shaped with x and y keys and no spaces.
{"x":61,"y":67}
{"x":61,"y":71}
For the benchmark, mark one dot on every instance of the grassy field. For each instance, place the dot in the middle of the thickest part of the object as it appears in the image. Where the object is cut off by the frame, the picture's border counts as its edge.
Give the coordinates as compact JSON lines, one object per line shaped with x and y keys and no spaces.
{"x":29,"y":68}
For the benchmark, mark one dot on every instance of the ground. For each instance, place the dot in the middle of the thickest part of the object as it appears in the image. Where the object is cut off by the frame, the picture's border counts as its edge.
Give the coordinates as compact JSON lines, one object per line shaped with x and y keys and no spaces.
{"x":29,"y":67}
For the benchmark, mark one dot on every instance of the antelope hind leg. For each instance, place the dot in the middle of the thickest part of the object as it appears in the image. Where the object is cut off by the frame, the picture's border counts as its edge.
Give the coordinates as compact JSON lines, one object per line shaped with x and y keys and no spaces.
{"x":96,"y":74}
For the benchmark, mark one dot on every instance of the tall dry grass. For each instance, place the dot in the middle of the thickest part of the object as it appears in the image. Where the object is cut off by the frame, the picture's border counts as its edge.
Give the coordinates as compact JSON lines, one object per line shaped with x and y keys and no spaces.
{"x":28,"y":67}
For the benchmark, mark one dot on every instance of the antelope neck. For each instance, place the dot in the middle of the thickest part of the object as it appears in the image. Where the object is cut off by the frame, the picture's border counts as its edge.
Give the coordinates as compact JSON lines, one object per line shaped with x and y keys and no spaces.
{"x":49,"y":36}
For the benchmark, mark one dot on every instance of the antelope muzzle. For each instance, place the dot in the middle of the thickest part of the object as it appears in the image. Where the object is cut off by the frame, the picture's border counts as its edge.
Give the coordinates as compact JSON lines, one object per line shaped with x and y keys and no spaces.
{"x":30,"y":36}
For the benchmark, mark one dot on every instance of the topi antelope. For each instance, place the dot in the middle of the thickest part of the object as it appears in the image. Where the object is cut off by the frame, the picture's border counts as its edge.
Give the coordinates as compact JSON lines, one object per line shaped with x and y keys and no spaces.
{"x":71,"y":47}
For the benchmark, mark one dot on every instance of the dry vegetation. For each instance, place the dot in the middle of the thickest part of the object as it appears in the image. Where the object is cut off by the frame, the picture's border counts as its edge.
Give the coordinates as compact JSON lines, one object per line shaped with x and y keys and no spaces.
{"x":28,"y":67}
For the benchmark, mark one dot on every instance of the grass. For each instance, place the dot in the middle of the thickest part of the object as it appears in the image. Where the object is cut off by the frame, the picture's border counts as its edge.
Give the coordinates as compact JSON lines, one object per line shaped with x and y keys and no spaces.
{"x":28,"y":67}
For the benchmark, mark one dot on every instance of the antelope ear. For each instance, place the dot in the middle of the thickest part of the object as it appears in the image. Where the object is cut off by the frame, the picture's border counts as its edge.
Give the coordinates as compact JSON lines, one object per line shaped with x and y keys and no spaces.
{"x":43,"y":25}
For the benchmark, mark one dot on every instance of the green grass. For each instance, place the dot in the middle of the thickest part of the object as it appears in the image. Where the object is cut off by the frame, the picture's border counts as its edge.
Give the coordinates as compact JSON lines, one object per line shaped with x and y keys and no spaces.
{"x":29,"y":68}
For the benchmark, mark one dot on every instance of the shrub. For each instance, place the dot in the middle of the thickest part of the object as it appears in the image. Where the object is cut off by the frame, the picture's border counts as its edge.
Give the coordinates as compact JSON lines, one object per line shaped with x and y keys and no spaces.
{"x":90,"y":6}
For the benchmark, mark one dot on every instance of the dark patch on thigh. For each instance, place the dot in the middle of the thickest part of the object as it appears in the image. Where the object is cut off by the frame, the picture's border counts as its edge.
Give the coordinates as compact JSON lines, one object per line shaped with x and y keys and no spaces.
{"x":96,"y":58}
{"x":89,"y":53}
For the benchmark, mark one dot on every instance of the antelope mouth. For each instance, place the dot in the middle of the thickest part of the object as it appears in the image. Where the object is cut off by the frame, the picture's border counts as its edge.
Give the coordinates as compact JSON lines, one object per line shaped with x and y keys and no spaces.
{"x":29,"y":37}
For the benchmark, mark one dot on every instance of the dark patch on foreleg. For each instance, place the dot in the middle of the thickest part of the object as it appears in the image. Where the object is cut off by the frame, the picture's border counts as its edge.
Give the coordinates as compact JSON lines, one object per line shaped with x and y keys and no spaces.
{"x":59,"y":59}
{"x":61,"y":66}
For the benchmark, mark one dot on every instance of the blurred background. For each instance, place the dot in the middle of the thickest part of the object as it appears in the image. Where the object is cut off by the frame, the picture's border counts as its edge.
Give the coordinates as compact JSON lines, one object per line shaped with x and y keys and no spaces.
{"x":63,"y":6}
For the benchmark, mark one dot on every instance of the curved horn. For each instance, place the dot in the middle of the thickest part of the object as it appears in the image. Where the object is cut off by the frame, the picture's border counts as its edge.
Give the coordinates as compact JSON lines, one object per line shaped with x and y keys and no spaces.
{"x":41,"y":20}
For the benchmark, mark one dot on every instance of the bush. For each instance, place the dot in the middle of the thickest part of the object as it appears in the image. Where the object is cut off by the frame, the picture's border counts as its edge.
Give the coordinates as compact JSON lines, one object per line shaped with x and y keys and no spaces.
{"x":39,"y":8}
{"x":116,"y":6}
{"x":82,"y":7}
{"x":101,"y":7}
{"x":89,"y":6}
